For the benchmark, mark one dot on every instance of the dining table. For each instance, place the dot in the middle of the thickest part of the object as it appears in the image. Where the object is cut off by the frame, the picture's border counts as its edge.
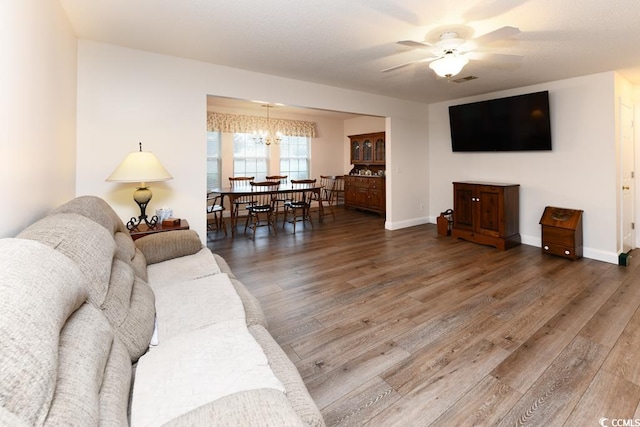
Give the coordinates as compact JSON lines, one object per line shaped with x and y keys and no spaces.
{"x":233,"y":193}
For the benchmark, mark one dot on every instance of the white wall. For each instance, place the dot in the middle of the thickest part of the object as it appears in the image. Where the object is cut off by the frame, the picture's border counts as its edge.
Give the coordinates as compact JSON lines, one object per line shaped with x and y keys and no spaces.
{"x":579,"y":173}
{"x":408,"y":182}
{"x":126,"y":96}
{"x":38,"y":111}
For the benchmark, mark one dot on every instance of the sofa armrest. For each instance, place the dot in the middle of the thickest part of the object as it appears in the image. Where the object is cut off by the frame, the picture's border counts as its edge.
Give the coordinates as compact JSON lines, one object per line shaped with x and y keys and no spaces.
{"x":158,"y":247}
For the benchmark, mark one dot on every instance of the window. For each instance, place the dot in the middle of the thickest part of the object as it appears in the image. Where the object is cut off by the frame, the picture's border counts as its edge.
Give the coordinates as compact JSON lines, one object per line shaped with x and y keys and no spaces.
{"x":249,"y":158}
{"x":213,"y":160}
{"x":294,"y":157}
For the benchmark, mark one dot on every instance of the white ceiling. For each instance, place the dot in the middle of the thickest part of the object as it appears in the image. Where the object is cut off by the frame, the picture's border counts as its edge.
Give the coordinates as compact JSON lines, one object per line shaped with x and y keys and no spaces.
{"x":346,"y":43}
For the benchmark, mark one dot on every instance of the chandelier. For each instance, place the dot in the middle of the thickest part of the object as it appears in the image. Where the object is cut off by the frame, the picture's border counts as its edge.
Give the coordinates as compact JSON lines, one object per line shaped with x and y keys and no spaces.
{"x":270,"y":135}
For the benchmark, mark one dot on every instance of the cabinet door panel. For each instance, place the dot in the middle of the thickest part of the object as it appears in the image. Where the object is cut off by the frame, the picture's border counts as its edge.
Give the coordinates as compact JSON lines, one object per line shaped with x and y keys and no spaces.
{"x":362,"y":197}
{"x":375,"y":199}
{"x":356,"y":151}
{"x":464,"y":207}
{"x":367,"y":150}
{"x":378,"y":151}
{"x":350,"y":196}
{"x":490,"y":212}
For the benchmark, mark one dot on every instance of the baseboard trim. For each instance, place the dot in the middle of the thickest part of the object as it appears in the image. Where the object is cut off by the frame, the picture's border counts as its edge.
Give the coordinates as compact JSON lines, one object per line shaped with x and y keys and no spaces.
{"x":591,"y":253}
{"x":406,"y":223}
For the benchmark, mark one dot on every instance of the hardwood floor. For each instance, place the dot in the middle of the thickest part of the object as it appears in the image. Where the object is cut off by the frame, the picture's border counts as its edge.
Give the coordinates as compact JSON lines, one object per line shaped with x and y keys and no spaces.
{"x":410,"y":328}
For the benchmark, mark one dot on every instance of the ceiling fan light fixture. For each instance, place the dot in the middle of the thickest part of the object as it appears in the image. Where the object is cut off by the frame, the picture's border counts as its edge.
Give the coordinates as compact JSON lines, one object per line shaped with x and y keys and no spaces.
{"x":449,"y":65}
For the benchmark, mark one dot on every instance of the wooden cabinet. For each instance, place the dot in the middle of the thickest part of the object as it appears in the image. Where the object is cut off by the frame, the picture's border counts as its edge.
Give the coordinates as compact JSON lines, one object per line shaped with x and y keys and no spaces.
{"x":365,"y":192}
{"x":367,"y":149}
{"x":487,"y":213}
{"x":562,"y":232}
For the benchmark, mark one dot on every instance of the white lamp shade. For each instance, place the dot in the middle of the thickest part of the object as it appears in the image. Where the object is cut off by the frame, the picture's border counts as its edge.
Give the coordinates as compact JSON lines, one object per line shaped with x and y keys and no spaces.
{"x":140,"y":166}
{"x":449,"y":65}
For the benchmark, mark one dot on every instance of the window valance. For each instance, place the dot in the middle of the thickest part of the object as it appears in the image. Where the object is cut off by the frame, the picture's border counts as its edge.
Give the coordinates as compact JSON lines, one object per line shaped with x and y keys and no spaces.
{"x":235,"y":123}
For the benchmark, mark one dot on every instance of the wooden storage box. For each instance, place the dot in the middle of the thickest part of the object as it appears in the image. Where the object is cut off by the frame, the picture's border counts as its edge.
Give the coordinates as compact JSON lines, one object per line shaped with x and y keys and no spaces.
{"x":444,"y":222}
{"x":562,"y":232}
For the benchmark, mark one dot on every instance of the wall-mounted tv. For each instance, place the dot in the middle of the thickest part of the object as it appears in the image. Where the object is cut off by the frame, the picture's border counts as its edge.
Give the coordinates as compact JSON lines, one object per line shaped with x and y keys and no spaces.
{"x":515,"y":123}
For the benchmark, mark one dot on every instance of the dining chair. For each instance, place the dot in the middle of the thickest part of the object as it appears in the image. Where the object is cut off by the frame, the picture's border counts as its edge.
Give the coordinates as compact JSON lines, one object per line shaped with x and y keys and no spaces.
{"x":338,"y":190}
{"x":281,"y":198}
{"x":240,"y":202}
{"x":298,"y":208}
{"x":261,"y":208}
{"x":326,"y":196}
{"x":215,"y":211}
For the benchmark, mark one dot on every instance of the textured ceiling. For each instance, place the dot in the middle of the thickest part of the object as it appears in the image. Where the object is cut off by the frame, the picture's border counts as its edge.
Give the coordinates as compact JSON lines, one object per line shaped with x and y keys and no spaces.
{"x":347,"y":43}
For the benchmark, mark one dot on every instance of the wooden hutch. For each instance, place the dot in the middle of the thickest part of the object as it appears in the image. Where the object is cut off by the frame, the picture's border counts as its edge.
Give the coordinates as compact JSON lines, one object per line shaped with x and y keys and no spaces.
{"x":364,"y":187}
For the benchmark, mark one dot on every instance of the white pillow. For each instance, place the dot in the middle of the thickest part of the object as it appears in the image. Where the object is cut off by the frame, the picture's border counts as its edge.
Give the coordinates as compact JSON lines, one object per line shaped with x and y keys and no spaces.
{"x":182,"y":307}
{"x":177,"y":270}
{"x":193,"y":369}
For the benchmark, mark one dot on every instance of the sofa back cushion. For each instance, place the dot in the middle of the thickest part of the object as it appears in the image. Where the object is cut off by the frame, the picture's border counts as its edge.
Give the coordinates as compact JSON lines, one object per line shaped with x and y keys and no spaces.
{"x":87,"y":244}
{"x":88,"y":231}
{"x":60,"y":359}
{"x":96,"y":209}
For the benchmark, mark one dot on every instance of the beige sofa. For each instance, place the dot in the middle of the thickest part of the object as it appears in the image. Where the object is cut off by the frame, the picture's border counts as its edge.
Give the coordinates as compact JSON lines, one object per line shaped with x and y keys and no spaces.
{"x":98,"y":330}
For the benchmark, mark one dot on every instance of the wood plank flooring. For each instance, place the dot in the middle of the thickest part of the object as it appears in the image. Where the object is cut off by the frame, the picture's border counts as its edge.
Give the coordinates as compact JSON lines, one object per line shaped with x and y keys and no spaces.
{"x":408,"y":328}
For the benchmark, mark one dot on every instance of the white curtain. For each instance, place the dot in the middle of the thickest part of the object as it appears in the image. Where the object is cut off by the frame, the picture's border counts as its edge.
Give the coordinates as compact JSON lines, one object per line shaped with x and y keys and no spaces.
{"x":235,"y":123}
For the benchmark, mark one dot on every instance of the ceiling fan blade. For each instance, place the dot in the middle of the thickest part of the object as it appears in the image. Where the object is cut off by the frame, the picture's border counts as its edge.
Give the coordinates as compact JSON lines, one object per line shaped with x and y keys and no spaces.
{"x":408,"y":63}
{"x":499,"y":34}
{"x":415,"y":44}
{"x":504,"y":58}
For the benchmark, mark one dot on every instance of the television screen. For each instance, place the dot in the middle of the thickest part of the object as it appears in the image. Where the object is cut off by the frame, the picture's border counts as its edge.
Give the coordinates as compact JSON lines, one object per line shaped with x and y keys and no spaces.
{"x":515,"y":123}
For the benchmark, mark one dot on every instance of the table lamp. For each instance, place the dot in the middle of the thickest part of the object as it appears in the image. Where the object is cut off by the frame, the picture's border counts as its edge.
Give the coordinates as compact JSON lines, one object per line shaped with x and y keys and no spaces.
{"x":140,"y":166}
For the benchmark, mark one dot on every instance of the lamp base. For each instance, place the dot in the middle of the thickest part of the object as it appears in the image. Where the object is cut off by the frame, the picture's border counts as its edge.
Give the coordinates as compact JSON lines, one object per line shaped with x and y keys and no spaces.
{"x":134,"y":223}
{"x":142,"y":196}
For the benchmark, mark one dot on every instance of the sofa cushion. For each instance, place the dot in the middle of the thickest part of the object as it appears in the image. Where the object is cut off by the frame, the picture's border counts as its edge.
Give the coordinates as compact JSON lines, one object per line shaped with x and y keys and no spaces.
{"x":95,"y":209}
{"x":60,"y":361}
{"x":172,"y":380}
{"x":128,"y":302}
{"x":203,"y":302}
{"x":158,"y":247}
{"x":287,"y":373}
{"x":116,"y":387}
{"x":85,"y":345}
{"x":127,"y":251}
{"x":200,"y":264}
{"x":253,"y":310}
{"x":8,"y":418}
{"x":116,"y":303}
{"x":265,"y":407}
{"x":39,"y":289}
{"x":137,"y":328}
{"x":223,"y":265}
{"x":89,"y":245}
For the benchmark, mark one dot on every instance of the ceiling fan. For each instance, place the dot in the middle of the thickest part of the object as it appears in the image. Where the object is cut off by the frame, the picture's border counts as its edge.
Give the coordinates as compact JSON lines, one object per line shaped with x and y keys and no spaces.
{"x":452,"y":53}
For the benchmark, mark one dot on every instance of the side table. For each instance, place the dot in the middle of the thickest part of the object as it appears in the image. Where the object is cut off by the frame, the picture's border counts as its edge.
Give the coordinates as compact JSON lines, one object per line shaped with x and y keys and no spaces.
{"x":143,"y":230}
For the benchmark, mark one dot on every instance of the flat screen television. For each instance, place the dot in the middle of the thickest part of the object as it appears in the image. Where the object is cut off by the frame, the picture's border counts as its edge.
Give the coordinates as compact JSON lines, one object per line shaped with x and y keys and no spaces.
{"x":515,"y":123}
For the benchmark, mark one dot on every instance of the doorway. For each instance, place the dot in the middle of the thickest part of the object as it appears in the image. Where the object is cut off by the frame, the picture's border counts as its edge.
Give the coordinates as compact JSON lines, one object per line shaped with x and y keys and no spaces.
{"x":627,"y":152}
